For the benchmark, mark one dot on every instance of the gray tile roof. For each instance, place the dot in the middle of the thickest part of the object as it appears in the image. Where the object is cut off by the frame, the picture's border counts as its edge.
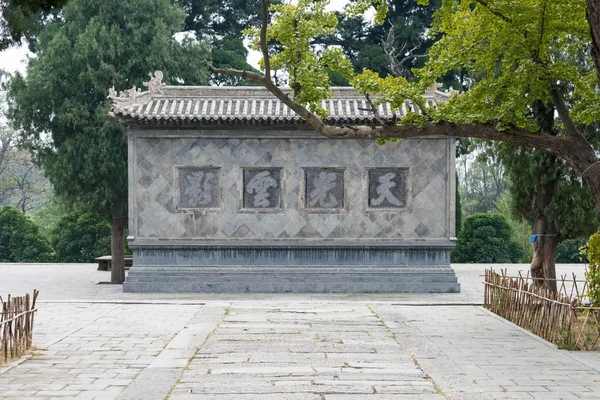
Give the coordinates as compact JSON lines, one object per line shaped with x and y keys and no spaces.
{"x":162,"y":104}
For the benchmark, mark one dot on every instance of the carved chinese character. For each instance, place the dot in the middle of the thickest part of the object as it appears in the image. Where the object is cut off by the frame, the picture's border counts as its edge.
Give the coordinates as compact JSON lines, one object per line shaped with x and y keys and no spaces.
{"x":198,"y":188}
{"x":262,"y":188}
{"x":324,"y":188}
{"x":387,"y":188}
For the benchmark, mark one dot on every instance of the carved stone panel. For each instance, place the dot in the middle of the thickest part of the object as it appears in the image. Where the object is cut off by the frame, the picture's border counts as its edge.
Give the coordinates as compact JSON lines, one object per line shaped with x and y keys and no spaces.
{"x":262,"y":188}
{"x":323,"y":188}
{"x":198,"y":188}
{"x":388,"y":187}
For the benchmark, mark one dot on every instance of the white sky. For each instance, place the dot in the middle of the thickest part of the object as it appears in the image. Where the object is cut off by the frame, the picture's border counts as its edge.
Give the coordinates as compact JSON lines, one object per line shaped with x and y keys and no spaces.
{"x":15,"y":59}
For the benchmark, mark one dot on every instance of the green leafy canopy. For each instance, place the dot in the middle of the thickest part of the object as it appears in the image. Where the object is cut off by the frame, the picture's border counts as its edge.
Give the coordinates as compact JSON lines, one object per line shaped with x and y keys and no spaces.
{"x":61,"y":106}
{"x":514,"y":52}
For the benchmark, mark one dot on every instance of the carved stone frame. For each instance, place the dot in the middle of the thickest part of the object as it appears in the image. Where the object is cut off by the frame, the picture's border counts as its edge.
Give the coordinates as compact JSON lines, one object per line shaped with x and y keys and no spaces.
{"x":197,"y":209}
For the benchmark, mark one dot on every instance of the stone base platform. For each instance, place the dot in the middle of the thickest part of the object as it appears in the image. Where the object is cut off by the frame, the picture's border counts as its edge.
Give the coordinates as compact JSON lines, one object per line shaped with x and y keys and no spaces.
{"x":292,"y":267}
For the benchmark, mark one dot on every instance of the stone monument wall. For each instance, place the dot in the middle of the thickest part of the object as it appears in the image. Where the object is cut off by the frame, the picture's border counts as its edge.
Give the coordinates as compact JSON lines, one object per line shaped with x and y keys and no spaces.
{"x":288,"y":186}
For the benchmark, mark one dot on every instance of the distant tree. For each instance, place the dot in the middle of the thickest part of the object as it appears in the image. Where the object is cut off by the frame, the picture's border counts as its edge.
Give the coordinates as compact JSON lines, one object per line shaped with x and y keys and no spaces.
{"x":80,"y":237}
{"x":20,"y":239}
{"x":481,"y":181}
{"x":568,"y":252}
{"x":547,"y":194}
{"x":486,"y":238}
{"x":392,"y":48}
{"x":22,"y":184}
{"x":95,"y":45}
{"x":220,"y":24}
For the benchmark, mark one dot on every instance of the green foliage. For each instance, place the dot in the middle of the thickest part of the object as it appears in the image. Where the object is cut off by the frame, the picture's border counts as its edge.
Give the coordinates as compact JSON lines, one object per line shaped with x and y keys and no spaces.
{"x":509,"y":54}
{"x":514,"y":52}
{"x":486,"y":238}
{"x":220,"y":24}
{"x":47,"y":217}
{"x":521,"y":230}
{"x":568,"y":252}
{"x":482,"y":181}
{"x":527,"y":170}
{"x":81,"y":237}
{"x":592,"y":274}
{"x":20,"y":239}
{"x":95,"y":45}
{"x":403,"y":33}
{"x":22,"y":18}
{"x":229,"y":53}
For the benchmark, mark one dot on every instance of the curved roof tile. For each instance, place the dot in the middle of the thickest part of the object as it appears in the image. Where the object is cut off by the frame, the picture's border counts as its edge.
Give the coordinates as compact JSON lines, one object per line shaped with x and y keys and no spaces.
{"x":231,"y":105}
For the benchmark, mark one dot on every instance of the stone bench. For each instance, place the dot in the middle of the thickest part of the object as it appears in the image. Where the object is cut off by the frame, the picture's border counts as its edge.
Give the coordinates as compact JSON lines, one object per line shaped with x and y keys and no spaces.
{"x":105,"y":263}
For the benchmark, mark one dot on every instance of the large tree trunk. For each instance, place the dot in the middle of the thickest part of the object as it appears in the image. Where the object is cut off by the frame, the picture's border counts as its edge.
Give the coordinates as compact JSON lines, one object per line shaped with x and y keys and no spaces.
{"x":543,"y":265}
{"x":593,"y":17}
{"x":581,"y":156}
{"x":117,"y":274}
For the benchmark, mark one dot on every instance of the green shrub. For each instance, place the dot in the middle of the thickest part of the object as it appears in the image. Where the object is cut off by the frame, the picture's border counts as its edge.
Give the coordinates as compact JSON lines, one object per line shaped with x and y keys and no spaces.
{"x":568,"y":252}
{"x":592,"y":274}
{"x":486,"y":238}
{"x":80,"y":237}
{"x":20,"y":238}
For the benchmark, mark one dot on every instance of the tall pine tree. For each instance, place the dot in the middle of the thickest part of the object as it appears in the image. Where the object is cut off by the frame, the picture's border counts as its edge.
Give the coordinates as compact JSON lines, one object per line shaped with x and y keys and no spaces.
{"x":61,"y":105}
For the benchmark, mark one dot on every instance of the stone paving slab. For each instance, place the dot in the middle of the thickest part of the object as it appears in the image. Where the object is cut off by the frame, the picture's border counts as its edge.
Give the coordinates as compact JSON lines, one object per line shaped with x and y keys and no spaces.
{"x":94,"y":342}
{"x":299,"y":361}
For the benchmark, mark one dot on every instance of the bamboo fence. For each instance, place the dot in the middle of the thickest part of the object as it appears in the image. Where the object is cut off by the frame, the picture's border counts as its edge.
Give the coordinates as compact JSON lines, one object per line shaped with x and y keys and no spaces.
{"x":16,"y":325}
{"x":563,"y":317}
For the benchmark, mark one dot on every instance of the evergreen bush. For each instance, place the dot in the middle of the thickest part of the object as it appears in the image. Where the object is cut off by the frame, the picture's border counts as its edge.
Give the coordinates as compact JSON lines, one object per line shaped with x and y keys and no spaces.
{"x":592,"y":274}
{"x":81,"y":237}
{"x":20,"y":238}
{"x":568,"y":252}
{"x":486,"y":238}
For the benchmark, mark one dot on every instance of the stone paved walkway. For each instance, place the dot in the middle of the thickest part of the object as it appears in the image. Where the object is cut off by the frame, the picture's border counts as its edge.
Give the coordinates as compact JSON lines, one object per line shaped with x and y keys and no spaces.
{"x":94,"y":342}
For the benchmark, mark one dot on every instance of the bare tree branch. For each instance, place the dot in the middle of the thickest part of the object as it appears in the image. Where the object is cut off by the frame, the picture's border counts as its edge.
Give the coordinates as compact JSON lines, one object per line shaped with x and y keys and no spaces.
{"x":398,"y":57}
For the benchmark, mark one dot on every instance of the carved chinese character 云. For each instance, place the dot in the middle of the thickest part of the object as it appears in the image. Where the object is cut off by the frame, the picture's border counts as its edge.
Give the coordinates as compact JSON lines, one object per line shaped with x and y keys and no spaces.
{"x":259,"y":186}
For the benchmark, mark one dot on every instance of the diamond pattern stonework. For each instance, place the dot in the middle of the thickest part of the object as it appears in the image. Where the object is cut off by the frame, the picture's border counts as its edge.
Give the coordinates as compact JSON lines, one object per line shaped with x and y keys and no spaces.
{"x":422,"y":214}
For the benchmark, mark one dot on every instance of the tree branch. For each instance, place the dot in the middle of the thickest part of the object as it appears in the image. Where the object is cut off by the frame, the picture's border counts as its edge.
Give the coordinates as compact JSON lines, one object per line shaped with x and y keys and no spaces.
{"x":552,"y":144}
{"x":564,"y":114}
{"x":374,"y":109}
{"x":263,"y":38}
{"x":592,"y":13}
{"x":496,"y":13}
{"x":247,"y":75}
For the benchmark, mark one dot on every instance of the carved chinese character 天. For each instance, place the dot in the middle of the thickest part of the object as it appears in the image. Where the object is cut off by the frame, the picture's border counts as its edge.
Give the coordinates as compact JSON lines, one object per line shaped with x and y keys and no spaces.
{"x":262,"y":188}
{"x":388,"y":187}
{"x":324,"y":188}
{"x":198,"y":188}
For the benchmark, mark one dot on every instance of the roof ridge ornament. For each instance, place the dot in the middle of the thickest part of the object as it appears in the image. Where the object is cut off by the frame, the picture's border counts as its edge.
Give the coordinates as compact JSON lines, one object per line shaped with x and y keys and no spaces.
{"x":433,"y":89}
{"x":155,"y":85}
{"x":127,"y":95}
